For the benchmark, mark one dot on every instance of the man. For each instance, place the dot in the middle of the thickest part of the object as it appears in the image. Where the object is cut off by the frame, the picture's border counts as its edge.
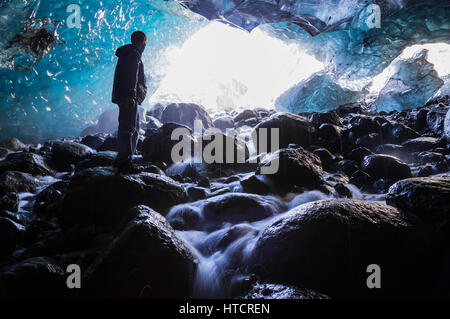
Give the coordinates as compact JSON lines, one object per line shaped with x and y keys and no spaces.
{"x":129,"y":91}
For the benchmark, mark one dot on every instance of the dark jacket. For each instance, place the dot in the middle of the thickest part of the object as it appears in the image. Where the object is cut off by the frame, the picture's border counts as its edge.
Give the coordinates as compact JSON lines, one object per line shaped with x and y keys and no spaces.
{"x":129,"y":78}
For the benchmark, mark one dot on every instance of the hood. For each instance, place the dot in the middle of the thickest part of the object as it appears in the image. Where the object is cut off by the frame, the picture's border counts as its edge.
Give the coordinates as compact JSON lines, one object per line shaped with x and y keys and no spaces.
{"x":126,"y":49}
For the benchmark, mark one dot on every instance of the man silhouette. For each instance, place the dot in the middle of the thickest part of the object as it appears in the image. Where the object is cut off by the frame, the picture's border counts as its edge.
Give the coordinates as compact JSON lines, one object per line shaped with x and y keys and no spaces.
{"x":129,"y":91}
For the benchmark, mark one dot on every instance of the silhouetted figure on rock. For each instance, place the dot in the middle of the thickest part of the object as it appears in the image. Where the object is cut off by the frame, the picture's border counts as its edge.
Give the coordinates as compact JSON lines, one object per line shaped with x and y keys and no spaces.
{"x":129,"y":91}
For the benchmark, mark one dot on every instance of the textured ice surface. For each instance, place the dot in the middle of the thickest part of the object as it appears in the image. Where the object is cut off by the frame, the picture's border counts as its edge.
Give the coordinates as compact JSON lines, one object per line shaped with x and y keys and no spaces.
{"x":55,"y":80}
{"x":318,"y":93}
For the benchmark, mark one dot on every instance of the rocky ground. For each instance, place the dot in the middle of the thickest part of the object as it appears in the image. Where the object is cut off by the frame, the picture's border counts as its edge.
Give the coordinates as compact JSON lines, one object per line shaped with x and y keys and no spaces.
{"x":354,"y":188}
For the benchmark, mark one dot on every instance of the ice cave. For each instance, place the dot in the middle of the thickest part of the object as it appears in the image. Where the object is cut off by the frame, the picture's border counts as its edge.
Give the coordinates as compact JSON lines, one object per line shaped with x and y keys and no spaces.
{"x":355,"y":92}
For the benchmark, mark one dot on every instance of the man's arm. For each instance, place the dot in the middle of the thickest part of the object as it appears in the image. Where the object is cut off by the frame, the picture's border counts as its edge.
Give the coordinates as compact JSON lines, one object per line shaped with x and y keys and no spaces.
{"x":130,"y":75}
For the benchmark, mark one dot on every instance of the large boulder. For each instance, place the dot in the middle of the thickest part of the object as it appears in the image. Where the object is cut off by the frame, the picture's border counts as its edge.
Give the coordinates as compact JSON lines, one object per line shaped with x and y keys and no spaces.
{"x":10,"y":235}
{"x":386,"y":167}
{"x":327,"y":245}
{"x":65,"y":154}
{"x":427,"y":197}
{"x":296,"y":166}
{"x":38,"y":277}
{"x":12,"y":181}
{"x":147,"y":260}
{"x":101,"y":197}
{"x":186,"y":114}
{"x":436,"y":118}
{"x":420,"y":144}
{"x":293,"y":129}
{"x":98,"y":159}
{"x":47,"y":200}
{"x":26,"y":162}
{"x":158,"y":144}
{"x":13,"y":144}
{"x":223,"y":123}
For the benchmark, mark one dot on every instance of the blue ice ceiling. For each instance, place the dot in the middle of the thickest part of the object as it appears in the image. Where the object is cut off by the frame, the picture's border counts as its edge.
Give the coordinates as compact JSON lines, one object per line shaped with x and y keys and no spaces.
{"x":56,"y":80}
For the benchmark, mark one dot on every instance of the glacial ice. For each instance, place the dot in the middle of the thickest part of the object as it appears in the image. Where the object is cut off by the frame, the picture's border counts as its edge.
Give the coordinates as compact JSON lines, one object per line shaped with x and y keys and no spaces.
{"x":55,"y":80}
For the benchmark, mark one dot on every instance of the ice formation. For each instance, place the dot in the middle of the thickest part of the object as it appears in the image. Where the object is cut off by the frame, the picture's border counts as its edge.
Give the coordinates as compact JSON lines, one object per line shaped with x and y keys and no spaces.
{"x":55,"y":78}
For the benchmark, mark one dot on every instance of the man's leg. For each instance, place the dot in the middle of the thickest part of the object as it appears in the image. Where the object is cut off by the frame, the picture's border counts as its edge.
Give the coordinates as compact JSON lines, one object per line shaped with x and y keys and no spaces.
{"x":127,"y":127}
{"x":135,"y":136}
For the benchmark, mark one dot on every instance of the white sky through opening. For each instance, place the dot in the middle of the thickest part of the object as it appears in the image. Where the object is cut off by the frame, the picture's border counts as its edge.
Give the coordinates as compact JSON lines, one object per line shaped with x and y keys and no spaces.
{"x":224,"y":68}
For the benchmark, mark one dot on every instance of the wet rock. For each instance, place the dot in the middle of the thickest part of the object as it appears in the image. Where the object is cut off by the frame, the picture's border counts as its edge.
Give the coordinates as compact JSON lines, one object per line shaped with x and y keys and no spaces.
{"x":153,"y":123}
{"x":196,"y":193}
{"x":343,"y":190}
{"x":296,"y":167}
{"x":348,"y":167}
{"x":312,"y":245}
{"x":10,"y":235}
{"x":254,"y":184}
{"x":274,"y":291}
{"x":46,"y":201}
{"x":223,"y":123}
{"x":3,"y":152}
{"x":244,"y":116}
{"x":110,"y":144}
{"x":26,"y":162}
{"x":146,"y":260}
{"x":330,"y":136}
{"x":369,"y":141}
{"x":13,"y":144}
{"x":38,"y":277}
{"x":358,"y":154}
{"x":330,"y":117}
{"x":93,"y":141}
{"x":293,"y":129}
{"x":158,"y":144}
{"x":361,"y":125}
{"x":447,"y":126}
{"x":66,"y":154}
{"x":425,"y":171}
{"x":101,"y":197}
{"x":436,"y":118}
{"x":204,"y":182}
{"x":393,"y":150}
{"x":397,"y":133}
{"x":430,"y":157}
{"x":362,"y":180}
{"x":420,"y":144}
{"x":97,"y":160}
{"x":426,"y":197}
{"x":9,"y":202}
{"x":186,"y":114}
{"x":237,"y":207}
{"x":386,"y":167}
{"x":184,"y":217}
{"x":326,"y":158}
{"x":18,"y":182}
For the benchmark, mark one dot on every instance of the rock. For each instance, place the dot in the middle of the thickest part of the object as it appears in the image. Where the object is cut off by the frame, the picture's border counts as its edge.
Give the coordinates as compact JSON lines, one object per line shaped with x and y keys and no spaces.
{"x":238,"y":207}
{"x":9,"y":202}
{"x":3,"y":152}
{"x":420,"y":144}
{"x":358,"y":154}
{"x":47,"y":200}
{"x":363,"y":125}
{"x":90,"y":130}
{"x":66,"y":154}
{"x":326,"y":158}
{"x":99,"y":196}
{"x":425,"y":197}
{"x":13,"y":144}
{"x":98,"y":159}
{"x":26,"y":162}
{"x":293,"y":129}
{"x":274,"y":291}
{"x":362,"y":180}
{"x":146,"y":260}
{"x":430,"y":157}
{"x":93,"y":141}
{"x":343,"y":190}
{"x":386,"y":167}
{"x":331,"y":136}
{"x":153,"y":123}
{"x":327,"y":245}
{"x":223,"y":123}
{"x":186,"y":114}
{"x":255,"y":185}
{"x":10,"y":235}
{"x":393,"y":150}
{"x":369,"y":141}
{"x":436,"y":118}
{"x":196,"y":193}
{"x":330,"y":117}
{"x":397,"y":133}
{"x":17,"y":182}
{"x":204,"y":182}
{"x":447,"y":126}
{"x":110,"y":144}
{"x":295,"y":167}
{"x":347,"y":167}
{"x":38,"y":277}
{"x":158,"y":143}
{"x":425,"y":171}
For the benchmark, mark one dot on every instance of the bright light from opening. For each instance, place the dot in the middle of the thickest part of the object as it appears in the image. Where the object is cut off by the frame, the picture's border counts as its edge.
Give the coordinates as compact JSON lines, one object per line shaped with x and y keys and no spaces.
{"x":224,"y":68}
